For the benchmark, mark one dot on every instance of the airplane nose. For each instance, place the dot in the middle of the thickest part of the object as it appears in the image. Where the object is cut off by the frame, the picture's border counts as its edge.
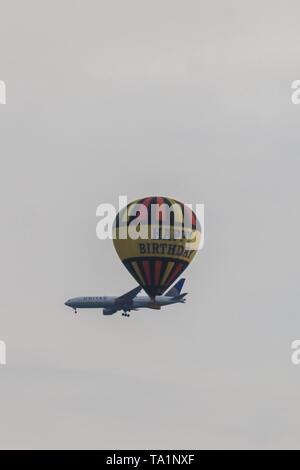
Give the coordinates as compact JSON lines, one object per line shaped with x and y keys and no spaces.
{"x":67,"y":303}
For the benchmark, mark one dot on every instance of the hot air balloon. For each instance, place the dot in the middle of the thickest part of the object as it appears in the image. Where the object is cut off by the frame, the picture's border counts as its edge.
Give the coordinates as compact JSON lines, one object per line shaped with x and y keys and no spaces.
{"x":156,"y":238}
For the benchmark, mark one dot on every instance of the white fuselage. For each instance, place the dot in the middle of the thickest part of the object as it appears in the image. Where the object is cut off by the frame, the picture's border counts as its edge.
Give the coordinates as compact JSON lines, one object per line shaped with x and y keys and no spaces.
{"x":110,"y":302}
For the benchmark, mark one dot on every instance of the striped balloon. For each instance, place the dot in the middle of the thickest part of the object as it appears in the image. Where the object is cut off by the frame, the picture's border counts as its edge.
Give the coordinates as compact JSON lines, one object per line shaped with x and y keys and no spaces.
{"x":156,"y":238}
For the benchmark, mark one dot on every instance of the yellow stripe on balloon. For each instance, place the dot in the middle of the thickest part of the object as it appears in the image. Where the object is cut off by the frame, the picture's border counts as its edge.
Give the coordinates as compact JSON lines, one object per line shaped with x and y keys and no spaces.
{"x":125,"y":215}
{"x":138,"y":272}
{"x":134,"y":208}
{"x":167,"y":271}
{"x":128,"y":211}
{"x":178,"y":217}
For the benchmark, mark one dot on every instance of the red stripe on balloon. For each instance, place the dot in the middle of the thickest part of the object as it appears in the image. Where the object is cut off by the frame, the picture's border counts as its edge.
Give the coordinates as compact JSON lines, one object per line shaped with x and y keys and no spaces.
{"x":161,"y":213}
{"x":146,"y":203}
{"x":146,"y":267}
{"x":190,"y":213}
{"x":157,"y":271}
{"x":174,"y":273}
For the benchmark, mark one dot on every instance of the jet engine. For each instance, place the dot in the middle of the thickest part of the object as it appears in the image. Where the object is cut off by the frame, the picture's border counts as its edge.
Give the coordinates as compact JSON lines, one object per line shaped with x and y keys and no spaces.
{"x":108,"y":311}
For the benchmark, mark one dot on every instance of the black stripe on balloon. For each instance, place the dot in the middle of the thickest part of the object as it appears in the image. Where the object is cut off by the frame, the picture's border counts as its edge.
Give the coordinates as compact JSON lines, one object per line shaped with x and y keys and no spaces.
{"x":152,"y":271}
{"x":182,"y":210}
{"x":117,"y":220}
{"x":162,"y":272}
{"x":147,"y":268}
{"x":172,"y":215}
{"x":153,"y":201}
{"x":132,"y":271}
{"x":159,"y":217}
{"x":142,"y":270}
{"x":150,"y":210}
{"x":138,"y":277}
{"x":141,"y":201}
{"x":162,"y":219}
{"x":150,"y":288}
{"x":173,"y":270}
{"x":170,"y":273}
{"x":150,"y":258}
{"x":130,"y":218}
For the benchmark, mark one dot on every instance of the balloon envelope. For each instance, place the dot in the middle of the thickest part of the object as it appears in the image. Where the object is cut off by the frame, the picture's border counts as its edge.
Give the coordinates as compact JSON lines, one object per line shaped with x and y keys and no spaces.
{"x":156,"y":238}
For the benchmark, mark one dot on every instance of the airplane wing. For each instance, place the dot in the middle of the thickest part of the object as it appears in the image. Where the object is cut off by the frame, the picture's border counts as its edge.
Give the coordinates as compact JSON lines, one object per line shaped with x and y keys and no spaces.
{"x":124,"y":302}
{"x":129,"y":295}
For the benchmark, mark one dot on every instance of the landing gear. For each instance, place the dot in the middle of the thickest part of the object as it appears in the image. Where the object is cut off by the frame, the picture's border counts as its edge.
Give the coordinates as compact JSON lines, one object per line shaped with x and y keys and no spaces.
{"x":75,"y":311}
{"x":125,"y":314}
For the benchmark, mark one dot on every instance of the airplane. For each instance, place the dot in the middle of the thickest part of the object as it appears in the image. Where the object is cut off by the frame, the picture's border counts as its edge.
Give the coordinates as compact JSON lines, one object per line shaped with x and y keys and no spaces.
{"x":129,"y":301}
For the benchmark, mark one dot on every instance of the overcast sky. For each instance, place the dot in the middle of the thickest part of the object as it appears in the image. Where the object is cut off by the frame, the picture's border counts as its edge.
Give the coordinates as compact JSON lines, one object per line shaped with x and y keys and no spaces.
{"x":185,"y":99}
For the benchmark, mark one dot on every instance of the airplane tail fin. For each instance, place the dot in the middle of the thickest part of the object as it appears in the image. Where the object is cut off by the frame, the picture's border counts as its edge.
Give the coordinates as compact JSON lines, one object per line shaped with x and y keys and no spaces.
{"x":175,"y":290}
{"x":180,"y":298}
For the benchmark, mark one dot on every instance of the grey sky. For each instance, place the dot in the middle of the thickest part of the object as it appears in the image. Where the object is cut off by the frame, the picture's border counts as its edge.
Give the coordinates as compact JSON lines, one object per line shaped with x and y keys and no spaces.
{"x":187,"y":99}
